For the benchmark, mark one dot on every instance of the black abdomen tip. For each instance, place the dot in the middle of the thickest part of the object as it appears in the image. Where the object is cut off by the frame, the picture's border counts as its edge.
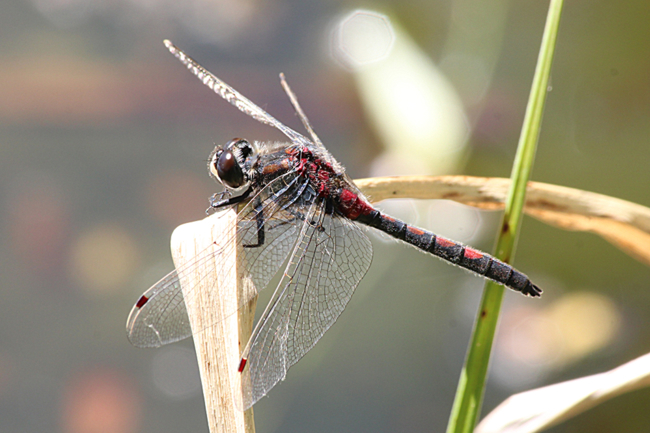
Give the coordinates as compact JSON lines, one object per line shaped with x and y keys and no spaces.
{"x":532,"y":290}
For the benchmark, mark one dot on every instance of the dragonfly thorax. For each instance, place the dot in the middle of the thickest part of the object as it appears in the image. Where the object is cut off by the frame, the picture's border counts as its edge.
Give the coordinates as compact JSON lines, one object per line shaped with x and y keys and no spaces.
{"x":233,"y":165}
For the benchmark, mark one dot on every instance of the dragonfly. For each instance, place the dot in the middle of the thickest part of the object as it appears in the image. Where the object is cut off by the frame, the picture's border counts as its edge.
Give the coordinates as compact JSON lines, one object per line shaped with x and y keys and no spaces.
{"x":297,"y":212}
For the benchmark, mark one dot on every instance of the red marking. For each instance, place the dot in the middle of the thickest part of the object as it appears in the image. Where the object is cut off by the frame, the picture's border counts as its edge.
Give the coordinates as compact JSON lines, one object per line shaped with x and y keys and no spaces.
{"x":352,"y":205}
{"x":242,"y":364}
{"x":319,"y":172}
{"x":415,"y":230}
{"x":388,"y":217}
{"x":348,"y":196}
{"x":444,"y":242}
{"x":143,"y":300}
{"x":349,"y":203}
{"x":301,"y":165}
{"x":472,"y":254}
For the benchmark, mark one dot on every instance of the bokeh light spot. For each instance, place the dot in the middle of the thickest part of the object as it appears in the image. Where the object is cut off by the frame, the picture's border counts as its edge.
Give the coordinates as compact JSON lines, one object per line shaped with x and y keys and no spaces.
{"x":362,"y":37}
{"x":103,"y":258}
{"x":589,"y":321}
{"x":538,"y":340}
{"x":408,"y":100}
{"x":101,"y":402}
{"x":39,"y":237}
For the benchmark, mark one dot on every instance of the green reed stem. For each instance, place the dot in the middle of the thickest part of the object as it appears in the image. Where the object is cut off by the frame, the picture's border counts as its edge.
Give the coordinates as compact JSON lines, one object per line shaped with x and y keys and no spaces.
{"x":471,"y":386}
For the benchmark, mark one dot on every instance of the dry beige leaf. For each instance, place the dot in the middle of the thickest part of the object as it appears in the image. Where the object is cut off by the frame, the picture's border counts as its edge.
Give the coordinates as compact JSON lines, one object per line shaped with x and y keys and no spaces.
{"x":217,"y":345}
{"x":624,"y":224}
{"x":538,"y":409}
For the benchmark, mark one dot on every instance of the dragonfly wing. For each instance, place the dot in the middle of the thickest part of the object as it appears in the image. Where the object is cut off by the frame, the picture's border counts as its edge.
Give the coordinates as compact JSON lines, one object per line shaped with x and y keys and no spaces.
{"x":146,"y":328}
{"x":267,"y":213}
{"x":233,"y":96}
{"x":303,"y":117}
{"x":330,"y":258}
{"x":160,"y":317}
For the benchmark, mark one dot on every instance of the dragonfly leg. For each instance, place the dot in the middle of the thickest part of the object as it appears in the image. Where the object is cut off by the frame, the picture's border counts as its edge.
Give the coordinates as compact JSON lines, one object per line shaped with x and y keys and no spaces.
{"x":218,"y":201}
{"x":259,"y":219}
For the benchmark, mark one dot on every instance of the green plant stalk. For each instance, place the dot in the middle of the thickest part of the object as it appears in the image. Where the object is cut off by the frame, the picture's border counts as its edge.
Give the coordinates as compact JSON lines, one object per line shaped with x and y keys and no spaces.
{"x":471,"y":385}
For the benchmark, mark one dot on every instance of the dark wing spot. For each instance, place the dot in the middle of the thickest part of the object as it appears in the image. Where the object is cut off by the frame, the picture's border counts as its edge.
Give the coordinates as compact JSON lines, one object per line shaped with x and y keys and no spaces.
{"x":143,"y":300}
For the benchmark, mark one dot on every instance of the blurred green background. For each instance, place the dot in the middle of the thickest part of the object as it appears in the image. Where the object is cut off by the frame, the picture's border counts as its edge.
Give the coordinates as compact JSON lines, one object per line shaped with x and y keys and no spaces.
{"x":103,"y":143}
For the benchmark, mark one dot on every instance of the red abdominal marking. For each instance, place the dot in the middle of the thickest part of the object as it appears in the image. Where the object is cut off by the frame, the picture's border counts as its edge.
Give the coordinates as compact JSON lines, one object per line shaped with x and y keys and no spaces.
{"x":242,"y":364}
{"x":352,"y":206}
{"x":415,"y":230}
{"x":444,"y":242}
{"x":143,"y":300}
{"x":472,"y":254}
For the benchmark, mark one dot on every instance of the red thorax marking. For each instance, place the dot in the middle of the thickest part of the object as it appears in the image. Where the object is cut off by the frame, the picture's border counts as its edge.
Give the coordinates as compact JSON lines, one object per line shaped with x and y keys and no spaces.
{"x":317,"y":170}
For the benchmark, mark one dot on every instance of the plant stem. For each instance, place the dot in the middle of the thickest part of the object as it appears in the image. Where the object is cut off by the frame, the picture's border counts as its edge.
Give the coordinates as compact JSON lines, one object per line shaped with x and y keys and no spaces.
{"x":471,"y":386}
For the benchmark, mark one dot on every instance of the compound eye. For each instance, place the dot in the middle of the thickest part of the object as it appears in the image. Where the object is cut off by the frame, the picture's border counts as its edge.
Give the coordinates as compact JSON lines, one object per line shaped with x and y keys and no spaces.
{"x":229,"y":169}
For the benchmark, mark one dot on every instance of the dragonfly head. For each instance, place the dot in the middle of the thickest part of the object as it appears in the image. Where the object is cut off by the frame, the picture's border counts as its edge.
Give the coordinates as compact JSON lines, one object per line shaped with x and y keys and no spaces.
{"x":233,"y":165}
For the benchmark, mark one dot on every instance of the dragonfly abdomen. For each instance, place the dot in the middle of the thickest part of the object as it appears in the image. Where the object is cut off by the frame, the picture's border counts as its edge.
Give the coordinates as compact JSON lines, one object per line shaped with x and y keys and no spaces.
{"x":466,"y":257}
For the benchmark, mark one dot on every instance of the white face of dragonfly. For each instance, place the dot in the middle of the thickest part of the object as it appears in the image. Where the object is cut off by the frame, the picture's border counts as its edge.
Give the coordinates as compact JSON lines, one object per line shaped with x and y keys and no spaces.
{"x":233,"y":165}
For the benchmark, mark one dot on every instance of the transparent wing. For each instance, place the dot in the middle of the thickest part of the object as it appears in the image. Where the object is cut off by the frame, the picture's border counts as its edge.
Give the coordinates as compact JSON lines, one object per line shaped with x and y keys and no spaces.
{"x":143,"y":327}
{"x":234,"y":97}
{"x":303,"y":117}
{"x":160,"y":317}
{"x":330,"y":258}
